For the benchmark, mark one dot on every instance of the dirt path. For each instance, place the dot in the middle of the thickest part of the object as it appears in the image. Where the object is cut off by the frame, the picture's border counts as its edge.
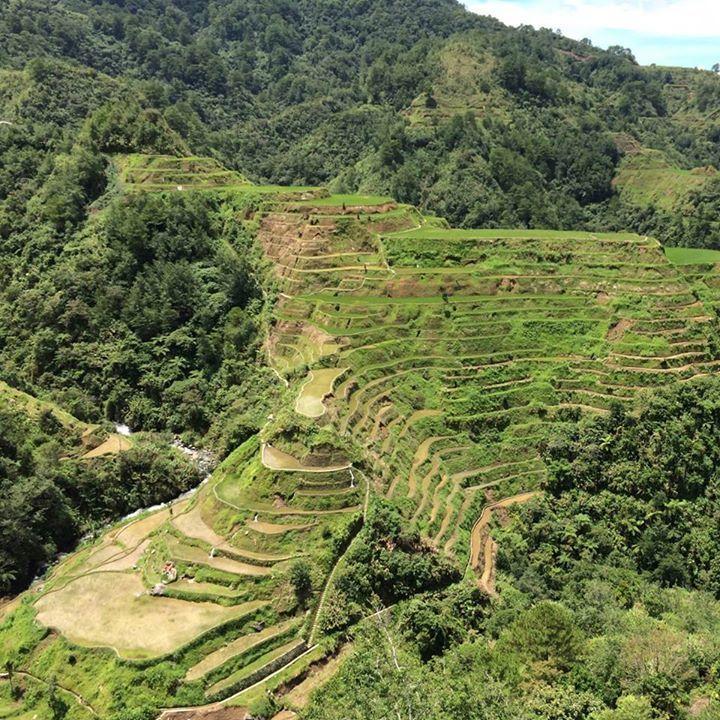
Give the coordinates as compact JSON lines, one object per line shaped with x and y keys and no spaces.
{"x":483,"y":548}
{"x":77,"y":697}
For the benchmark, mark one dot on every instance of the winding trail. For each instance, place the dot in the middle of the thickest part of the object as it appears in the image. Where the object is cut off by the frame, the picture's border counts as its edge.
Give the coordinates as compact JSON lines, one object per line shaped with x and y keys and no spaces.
{"x":77,"y":697}
{"x":483,"y":549}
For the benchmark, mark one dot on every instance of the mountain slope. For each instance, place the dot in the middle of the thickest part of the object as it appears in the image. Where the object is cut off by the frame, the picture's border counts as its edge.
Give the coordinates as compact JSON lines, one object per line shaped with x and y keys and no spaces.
{"x":450,"y":476}
{"x":376,"y":96}
{"x":421,"y":372}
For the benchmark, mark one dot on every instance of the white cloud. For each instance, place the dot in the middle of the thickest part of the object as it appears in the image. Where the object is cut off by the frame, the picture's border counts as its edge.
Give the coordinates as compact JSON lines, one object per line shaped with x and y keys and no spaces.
{"x":582,"y":18}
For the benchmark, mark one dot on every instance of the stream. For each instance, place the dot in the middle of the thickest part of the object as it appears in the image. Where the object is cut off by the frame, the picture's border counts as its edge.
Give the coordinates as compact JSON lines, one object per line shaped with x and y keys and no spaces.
{"x":204,"y":460}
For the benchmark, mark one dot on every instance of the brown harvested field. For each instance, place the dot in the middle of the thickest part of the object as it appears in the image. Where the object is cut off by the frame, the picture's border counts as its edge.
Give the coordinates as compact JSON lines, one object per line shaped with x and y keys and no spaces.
{"x":267,"y":528}
{"x":118,"y":542}
{"x":104,"y":553}
{"x":136,"y":531}
{"x":211,"y":712}
{"x":126,"y":561}
{"x":192,"y":525}
{"x":193,"y":554}
{"x":275,"y":459}
{"x":113,"y":610}
{"x":112,"y":446}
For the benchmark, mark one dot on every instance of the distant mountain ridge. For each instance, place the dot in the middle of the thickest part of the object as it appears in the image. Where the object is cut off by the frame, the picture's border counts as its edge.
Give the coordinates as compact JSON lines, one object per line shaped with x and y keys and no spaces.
{"x":456,"y":113}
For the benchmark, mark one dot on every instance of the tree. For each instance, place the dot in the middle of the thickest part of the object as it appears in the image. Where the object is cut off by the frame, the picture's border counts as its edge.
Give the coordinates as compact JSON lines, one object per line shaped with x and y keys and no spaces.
{"x":548,"y":634}
{"x":431,"y":626}
{"x":628,"y":707}
{"x":301,"y":580}
{"x":58,"y":707}
{"x":10,"y":670}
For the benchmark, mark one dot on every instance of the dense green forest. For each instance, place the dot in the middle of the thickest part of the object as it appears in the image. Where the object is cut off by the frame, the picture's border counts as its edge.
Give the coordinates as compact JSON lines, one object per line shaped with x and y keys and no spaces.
{"x":52,"y":497}
{"x":155,"y":309}
{"x":633,"y":494}
{"x":453,"y":112}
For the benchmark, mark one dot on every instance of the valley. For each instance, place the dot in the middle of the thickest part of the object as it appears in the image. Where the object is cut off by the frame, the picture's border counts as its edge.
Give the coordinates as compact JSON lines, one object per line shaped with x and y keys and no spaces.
{"x":358,"y":361}
{"x":421,"y":364}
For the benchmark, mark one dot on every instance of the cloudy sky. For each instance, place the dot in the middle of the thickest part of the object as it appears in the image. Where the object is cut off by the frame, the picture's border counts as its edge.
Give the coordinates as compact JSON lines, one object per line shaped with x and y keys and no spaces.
{"x":665,"y":32}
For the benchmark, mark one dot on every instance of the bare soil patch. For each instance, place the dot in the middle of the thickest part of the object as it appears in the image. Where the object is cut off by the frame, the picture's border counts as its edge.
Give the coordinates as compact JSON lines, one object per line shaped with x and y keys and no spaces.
{"x":114,"y":445}
{"x":619,"y":329}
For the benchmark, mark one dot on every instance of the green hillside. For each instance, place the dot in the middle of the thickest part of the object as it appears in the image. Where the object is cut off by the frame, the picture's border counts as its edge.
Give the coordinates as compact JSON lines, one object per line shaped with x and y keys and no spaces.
{"x":62,"y":478}
{"x":647,"y":178}
{"x":438,"y":107}
{"x":422,"y":374}
{"x":438,"y":301}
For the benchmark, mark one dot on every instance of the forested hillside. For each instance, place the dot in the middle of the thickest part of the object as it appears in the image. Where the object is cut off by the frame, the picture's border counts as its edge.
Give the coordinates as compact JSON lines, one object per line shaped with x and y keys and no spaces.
{"x":60,"y":481}
{"x":457,"y":114}
{"x":407,"y":273}
{"x":423,"y":100}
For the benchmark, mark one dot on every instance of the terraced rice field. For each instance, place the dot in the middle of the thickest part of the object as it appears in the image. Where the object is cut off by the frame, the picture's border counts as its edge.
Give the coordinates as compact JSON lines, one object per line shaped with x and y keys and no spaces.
{"x":230,"y":558}
{"x":114,"y":445}
{"x":692,"y":256}
{"x":417,"y":362}
{"x":165,"y":172}
{"x":319,"y":384}
{"x":128,"y":620}
{"x":461,"y":349}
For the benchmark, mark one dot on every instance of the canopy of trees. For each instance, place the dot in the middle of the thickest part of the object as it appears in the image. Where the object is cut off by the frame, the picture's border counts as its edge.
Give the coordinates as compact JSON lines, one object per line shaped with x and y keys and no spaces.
{"x":366,"y":95}
{"x":50,"y":500}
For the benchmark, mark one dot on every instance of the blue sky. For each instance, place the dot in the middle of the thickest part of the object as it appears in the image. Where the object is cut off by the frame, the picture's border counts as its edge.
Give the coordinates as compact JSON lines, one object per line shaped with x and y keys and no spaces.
{"x":664,"y":32}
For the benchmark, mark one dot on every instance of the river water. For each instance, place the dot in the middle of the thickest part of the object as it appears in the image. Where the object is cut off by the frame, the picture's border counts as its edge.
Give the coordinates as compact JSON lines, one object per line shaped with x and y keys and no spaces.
{"x":205,"y":462}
